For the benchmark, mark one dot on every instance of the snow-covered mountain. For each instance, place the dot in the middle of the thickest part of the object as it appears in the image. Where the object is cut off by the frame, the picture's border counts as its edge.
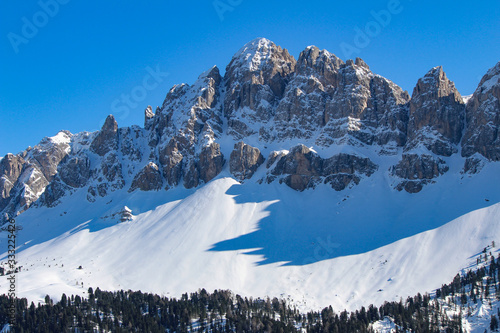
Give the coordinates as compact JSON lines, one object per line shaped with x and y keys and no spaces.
{"x":312,"y":120}
{"x":313,"y":179}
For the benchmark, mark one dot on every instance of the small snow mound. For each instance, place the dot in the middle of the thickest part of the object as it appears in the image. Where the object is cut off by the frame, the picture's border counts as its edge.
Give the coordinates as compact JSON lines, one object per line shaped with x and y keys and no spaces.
{"x":384,"y":326}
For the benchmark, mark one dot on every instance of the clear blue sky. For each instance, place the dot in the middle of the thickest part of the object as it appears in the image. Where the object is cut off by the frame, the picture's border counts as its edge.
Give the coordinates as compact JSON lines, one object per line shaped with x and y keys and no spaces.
{"x":71,"y":71}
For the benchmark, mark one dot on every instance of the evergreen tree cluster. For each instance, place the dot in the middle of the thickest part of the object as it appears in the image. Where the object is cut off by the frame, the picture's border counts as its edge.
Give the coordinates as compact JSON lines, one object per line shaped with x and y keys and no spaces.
{"x":222,"y":311}
{"x":134,"y":311}
{"x":417,"y":314}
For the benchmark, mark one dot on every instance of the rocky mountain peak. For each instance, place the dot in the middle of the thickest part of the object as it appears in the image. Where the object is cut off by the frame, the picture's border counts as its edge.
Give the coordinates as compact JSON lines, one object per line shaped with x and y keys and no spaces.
{"x":361,"y":63}
{"x":260,"y":61}
{"x":436,"y":114}
{"x":110,"y":125}
{"x":321,"y":61}
{"x":332,"y":101}
{"x":436,"y":71}
{"x":212,"y":73}
{"x":255,"y":55}
{"x":107,"y":138}
{"x":255,"y":81}
{"x":435,"y":81}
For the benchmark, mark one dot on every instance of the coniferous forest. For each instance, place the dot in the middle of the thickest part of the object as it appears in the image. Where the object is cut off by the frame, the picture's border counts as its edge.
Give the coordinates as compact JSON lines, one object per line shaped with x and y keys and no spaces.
{"x":222,"y":311}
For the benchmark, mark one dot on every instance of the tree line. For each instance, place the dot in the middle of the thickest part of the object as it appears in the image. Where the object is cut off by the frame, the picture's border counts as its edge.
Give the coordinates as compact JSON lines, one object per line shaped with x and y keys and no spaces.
{"x":223,"y":311}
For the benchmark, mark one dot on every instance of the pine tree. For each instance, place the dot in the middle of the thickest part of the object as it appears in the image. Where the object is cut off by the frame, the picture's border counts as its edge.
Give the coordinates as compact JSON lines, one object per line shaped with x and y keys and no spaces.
{"x":493,"y":323}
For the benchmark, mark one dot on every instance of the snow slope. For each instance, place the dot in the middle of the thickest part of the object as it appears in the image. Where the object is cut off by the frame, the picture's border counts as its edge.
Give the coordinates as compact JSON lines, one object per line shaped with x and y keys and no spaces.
{"x":317,"y":248}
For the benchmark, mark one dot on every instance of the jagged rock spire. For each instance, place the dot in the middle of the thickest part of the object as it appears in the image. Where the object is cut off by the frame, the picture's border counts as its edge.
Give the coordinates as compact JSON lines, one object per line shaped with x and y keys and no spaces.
{"x":107,"y":139}
{"x":437,"y":114}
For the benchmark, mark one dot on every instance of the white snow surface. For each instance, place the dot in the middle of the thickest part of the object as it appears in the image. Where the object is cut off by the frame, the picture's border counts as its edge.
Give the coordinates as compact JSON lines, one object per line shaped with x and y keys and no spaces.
{"x":364,"y":245}
{"x":466,"y":98}
{"x":384,"y":326}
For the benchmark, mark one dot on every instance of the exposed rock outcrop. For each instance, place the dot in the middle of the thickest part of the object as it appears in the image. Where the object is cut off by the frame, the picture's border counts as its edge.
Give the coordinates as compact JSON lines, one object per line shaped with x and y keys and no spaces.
{"x":437,"y":114}
{"x":122,"y":215}
{"x":435,"y":126}
{"x":417,"y":170}
{"x":107,"y":138}
{"x":24,"y":177}
{"x":185,"y":130}
{"x":148,"y":117}
{"x":474,"y":164}
{"x":11,"y":167}
{"x":75,"y":172}
{"x":148,"y":179}
{"x":320,"y":98}
{"x":302,"y":168}
{"x":244,"y":161}
{"x":210,"y":162}
{"x":171,"y":160}
{"x":54,"y":192}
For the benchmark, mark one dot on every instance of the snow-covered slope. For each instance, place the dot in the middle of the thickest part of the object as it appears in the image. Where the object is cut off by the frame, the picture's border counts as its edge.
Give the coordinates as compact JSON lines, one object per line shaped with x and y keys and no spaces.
{"x":342,"y":250}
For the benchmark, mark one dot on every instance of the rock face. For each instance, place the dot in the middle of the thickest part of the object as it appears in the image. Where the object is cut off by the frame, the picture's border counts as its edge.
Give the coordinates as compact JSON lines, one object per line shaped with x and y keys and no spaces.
{"x":11,"y":167}
{"x":302,"y":168}
{"x":437,"y":114}
{"x":148,"y":179}
{"x":107,"y":139}
{"x":244,"y":161}
{"x":483,"y":118}
{"x":319,"y":98}
{"x":185,"y":128}
{"x":333,"y":102}
{"x":435,"y":126}
{"x":25,"y":177}
{"x":275,"y":102}
{"x":255,"y":81}
{"x":148,"y":116}
{"x":417,"y":171}
{"x":210,"y":162}
{"x":75,"y":172}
